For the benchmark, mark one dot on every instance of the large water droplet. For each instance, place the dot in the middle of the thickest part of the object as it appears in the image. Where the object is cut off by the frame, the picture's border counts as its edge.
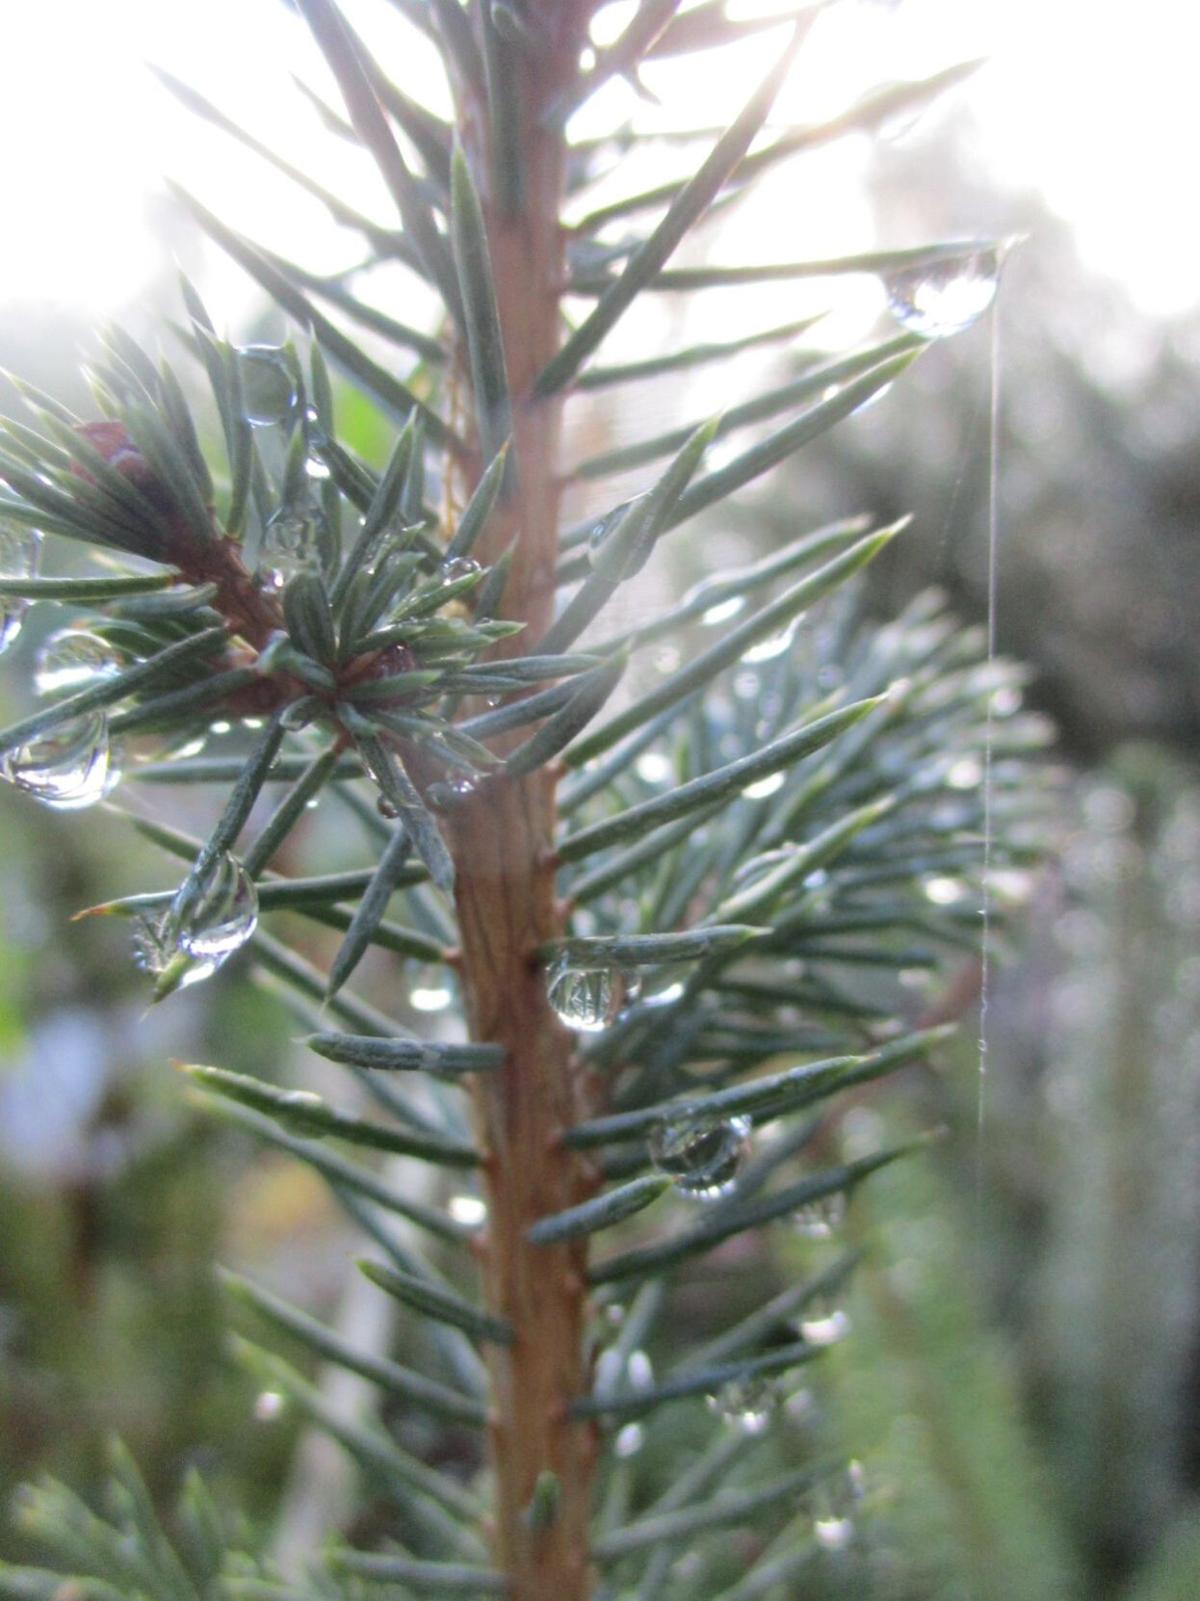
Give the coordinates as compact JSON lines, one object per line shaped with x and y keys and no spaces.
{"x":584,"y":998}
{"x":74,"y":659}
{"x":747,"y":1403}
{"x":820,"y":1219}
{"x":222,"y":914}
{"x":940,"y":298}
{"x":190,"y":941}
{"x":289,"y":542}
{"x":69,"y":768}
{"x":20,"y":557}
{"x":702,"y":1154}
{"x":268,"y":388}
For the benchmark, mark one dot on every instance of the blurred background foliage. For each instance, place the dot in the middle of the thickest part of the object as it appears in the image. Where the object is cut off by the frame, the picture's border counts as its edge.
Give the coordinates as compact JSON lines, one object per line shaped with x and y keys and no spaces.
{"x":1021,"y":1381}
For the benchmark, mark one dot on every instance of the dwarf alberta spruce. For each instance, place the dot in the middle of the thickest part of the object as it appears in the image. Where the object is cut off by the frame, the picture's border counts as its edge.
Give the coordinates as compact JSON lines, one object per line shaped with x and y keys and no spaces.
{"x":654,"y":907}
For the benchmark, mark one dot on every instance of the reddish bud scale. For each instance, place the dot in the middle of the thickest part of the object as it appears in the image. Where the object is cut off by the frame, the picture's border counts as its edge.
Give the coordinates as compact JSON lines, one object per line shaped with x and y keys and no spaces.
{"x":113,"y":441}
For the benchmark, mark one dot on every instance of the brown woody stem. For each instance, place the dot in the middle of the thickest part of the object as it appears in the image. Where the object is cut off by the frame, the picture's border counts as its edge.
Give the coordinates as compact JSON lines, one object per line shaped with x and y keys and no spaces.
{"x":502,"y":840}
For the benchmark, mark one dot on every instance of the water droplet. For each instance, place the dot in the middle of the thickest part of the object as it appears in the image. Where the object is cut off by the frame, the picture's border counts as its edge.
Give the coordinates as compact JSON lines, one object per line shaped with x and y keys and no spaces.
{"x":763,"y":787}
{"x":767,"y":649}
{"x":629,"y":1441}
{"x":943,"y":891}
{"x":940,"y":298}
{"x":430,"y":990}
{"x":653,"y":767}
{"x":833,"y":1534}
{"x":268,"y":1405}
{"x":966,"y":773}
{"x":316,"y":469}
{"x":665,"y":997}
{"x":220,"y":726}
{"x":469,"y":1210}
{"x":197,"y":934}
{"x":289,"y":543}
{"x":723,"y":610}
{"x":819,"y":1219}
{"x":295,"y":1111}
{"x":70,"y":767}
{"x":458,"y":567}
{"x":748,"y":1403}
{"x":20,"y":557}
{"x":222,"y":914}
{"x":825,"y":1328}
{"x":450,"y":792}
{"x":702,"y":1154}
{"x":835,"y":1504}
{"x":73,"y":659}
{"x":600,"y":531}
{"x":640,"y":1371}
{"x":1006,"y":700}
{"x":269,"y":393}
{"x":191,"y":746}
{"x":584,"y":998}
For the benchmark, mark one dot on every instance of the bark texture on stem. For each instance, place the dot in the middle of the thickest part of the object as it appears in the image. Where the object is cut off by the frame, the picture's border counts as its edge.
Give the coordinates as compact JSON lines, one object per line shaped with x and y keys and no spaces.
{"x":502,"y":839}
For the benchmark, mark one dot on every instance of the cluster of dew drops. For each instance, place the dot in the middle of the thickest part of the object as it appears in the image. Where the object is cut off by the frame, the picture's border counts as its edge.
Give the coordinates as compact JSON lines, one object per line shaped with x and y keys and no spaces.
{"x":77,"y":763}
{"x":702,"y":1154}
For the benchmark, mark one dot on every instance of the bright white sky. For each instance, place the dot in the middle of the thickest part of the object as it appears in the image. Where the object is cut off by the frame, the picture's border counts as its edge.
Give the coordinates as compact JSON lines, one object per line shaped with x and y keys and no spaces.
{"x":1092,"y":101}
